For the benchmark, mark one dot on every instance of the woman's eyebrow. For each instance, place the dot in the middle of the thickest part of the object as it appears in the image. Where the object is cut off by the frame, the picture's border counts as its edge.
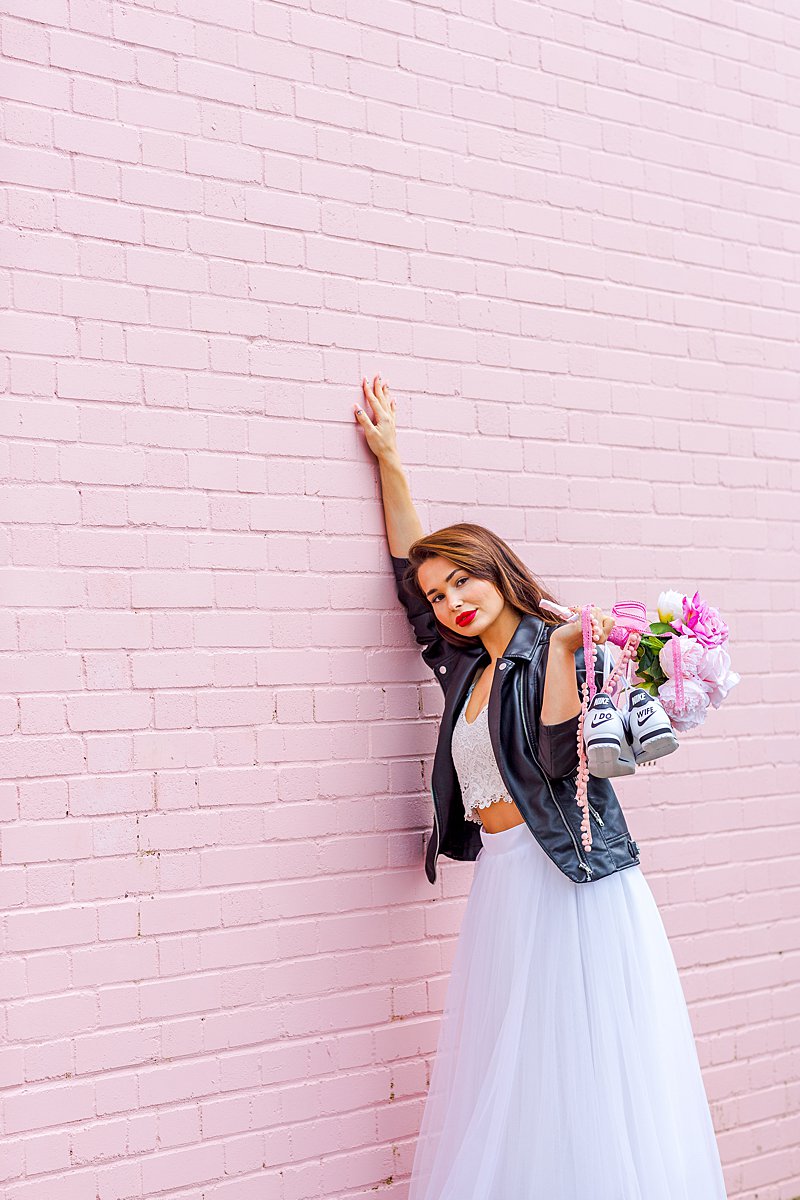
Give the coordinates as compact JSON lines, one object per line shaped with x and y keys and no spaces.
{"x":447,"y":578}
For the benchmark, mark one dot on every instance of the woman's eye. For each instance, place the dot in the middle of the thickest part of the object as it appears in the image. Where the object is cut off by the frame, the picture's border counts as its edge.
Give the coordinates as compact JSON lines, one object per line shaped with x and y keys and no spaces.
{"x":463,"y":579}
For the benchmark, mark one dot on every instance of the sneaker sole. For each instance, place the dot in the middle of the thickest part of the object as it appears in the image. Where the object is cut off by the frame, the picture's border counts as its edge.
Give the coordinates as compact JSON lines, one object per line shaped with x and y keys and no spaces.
{"x":604,"y":761}
{"x":657,"y":745}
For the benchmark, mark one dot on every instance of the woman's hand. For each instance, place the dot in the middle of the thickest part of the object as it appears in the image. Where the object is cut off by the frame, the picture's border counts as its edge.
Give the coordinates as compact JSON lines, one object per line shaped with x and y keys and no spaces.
{"x":571,"y":636}
{"x":380,"y":430}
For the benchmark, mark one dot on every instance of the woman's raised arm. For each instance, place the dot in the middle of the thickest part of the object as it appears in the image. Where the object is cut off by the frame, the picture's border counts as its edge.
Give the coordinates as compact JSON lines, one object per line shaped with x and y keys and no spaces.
{"x":402,"y":523}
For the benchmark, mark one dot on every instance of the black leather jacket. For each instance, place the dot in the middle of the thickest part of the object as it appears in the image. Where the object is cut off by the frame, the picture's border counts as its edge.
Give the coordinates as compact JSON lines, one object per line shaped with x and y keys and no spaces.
{"x":523,"y":747}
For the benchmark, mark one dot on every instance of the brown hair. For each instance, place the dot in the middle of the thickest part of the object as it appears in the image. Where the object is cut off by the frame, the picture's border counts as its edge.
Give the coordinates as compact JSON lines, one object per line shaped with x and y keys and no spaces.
{"x":486,"y":556}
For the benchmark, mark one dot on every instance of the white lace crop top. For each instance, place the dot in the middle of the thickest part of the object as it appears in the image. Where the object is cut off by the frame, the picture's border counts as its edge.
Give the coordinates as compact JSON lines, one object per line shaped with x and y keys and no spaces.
{"x":475,"y":763}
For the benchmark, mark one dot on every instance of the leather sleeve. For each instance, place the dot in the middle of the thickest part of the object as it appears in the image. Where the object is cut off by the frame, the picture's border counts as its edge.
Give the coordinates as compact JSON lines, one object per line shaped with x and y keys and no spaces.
{"x":558,"y":744}
{"x":418,"y":611}
{"x":436,"y":652}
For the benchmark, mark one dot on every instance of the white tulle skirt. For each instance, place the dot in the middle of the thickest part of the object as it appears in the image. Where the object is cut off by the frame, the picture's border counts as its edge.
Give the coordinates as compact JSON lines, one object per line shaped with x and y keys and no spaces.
{"x":566,"y":1066}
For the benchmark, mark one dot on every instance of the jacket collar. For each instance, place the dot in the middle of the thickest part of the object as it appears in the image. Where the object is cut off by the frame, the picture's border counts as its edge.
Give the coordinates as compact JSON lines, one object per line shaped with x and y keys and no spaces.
{"x":526,"y":637}
{"x":525,"y":644}
{"x":524,"y":641}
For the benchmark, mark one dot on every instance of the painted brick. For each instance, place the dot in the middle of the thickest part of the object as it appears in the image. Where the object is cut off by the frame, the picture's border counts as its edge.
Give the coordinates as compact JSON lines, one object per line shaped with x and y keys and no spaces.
{"x":216,"y":219}
{"x":101,"y":139}
{"x":91,"y":56}
{"x":34,"y":85}
{"x":98,"y":796}
{"x":33,"y":167}
{"x":93,"y":218}
{"x":36,"y":334}
{"x":46,"y":842}
{"x":166,"y":348}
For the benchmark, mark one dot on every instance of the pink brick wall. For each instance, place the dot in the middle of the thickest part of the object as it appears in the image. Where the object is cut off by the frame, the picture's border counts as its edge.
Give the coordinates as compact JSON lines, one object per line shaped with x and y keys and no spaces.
{"x":568,"y":236}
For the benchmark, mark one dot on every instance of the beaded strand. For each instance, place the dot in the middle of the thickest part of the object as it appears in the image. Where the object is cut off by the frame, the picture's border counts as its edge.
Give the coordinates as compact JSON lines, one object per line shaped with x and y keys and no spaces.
{"x":588,"y":690}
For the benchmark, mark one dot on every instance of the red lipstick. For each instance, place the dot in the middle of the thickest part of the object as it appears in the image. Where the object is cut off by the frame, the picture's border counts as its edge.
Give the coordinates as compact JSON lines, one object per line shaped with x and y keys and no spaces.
{"x":465,"y":618}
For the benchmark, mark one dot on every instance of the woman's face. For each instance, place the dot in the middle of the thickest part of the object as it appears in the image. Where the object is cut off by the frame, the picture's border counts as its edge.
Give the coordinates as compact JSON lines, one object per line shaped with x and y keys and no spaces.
{"x":454,"y":594}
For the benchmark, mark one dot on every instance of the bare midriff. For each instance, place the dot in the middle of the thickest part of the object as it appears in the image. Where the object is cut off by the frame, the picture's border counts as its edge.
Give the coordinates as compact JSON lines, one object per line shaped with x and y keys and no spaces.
{"x":503,"y":814}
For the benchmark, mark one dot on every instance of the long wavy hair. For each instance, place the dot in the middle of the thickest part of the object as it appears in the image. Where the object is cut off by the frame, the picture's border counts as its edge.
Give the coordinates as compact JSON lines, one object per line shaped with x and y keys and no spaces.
{"x":486,"y":556}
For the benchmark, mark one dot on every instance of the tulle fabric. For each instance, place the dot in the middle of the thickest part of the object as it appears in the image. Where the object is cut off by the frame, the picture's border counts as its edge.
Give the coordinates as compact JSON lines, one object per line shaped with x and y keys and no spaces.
{"x":566,"y":1064}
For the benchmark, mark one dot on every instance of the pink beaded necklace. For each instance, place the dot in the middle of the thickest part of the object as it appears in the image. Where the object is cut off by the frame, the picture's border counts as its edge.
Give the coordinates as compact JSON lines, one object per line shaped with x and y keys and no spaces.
{"x":628,"y":636}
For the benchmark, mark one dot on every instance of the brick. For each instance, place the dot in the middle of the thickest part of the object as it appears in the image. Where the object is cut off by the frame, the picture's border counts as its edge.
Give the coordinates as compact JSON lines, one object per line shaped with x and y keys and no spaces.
{"x":33,"y":84}
{"x":226,"y":240}
{"x":171,"y":670}
{"x":161,"y":189}
{"x":46,"y":841}
{"x":25,"y":41}
{"x":166,"y":508}
{"x":108,"y":712}
{"x":91,"y":56}
{"x":223,"y":161}
{"x":157,"y":30}
{"x":229,"y":316}
{"x":94,"y":218}
{"x":94,"y":98}
{"x":34,"y":167}
{"x":166,"y":348}
{"x":233,"y":708}
{"x":71,"y":926}
{"x":170,"y":429}
{"x":98,"y":381}
{"x":158,"y":110}
{"x":102,"y":464}
{"x":164,"y":269}
{"x":105,"y":301}
{"x":56,"y":505}
{"x":99,"y":796}
{"x":62,"y":1016}
{"x":278,"y":133}
{"x":37,"y":334}
{"x":98,"y":138}
{"x":216,"y":83}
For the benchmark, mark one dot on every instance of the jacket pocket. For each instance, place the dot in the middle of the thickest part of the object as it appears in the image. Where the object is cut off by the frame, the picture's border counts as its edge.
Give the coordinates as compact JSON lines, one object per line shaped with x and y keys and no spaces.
{"x":623,"y":850}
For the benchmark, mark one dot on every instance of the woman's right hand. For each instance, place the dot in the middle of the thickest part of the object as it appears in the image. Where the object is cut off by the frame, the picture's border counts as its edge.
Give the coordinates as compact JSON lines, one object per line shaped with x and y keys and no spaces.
{"x":380,"y":430}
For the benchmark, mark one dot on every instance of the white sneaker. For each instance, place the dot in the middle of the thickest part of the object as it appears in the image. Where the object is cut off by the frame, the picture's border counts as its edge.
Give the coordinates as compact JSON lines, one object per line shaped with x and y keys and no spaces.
{"x":608,"y":750}
{"x":647,"y":725}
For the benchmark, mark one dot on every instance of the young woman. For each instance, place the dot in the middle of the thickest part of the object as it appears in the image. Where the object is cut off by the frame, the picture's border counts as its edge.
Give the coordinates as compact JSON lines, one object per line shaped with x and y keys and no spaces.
{"x":566,"y":1067}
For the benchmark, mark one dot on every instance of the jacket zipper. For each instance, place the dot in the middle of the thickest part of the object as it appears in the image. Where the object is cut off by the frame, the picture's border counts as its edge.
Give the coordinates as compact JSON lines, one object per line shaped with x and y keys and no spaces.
{"x":596,"y":816}
{"x":436,"y":826}
{"x":584,"y":865}
{"x":574,"y":781}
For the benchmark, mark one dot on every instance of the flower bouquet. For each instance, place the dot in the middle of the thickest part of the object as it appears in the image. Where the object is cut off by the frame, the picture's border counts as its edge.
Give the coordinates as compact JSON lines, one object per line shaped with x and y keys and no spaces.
{"x":684,"y":661}
{"x":680,"y":667}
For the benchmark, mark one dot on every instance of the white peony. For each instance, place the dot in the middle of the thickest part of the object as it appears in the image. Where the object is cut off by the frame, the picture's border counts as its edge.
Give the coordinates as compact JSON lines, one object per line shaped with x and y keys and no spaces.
{"x":670,"y":606}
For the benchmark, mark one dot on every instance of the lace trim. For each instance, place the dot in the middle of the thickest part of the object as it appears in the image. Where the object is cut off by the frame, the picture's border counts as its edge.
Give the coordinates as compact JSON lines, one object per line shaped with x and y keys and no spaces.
{"x":476,"y":804}
{"x":475,"y":763}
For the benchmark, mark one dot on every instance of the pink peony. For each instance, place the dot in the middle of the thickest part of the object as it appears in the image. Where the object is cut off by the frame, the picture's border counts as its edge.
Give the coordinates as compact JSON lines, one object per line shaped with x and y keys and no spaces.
{"x":701,"y":621}
{"x":693,"y":712}
{"x":692,"y":654}
{"x":715,"y":673}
